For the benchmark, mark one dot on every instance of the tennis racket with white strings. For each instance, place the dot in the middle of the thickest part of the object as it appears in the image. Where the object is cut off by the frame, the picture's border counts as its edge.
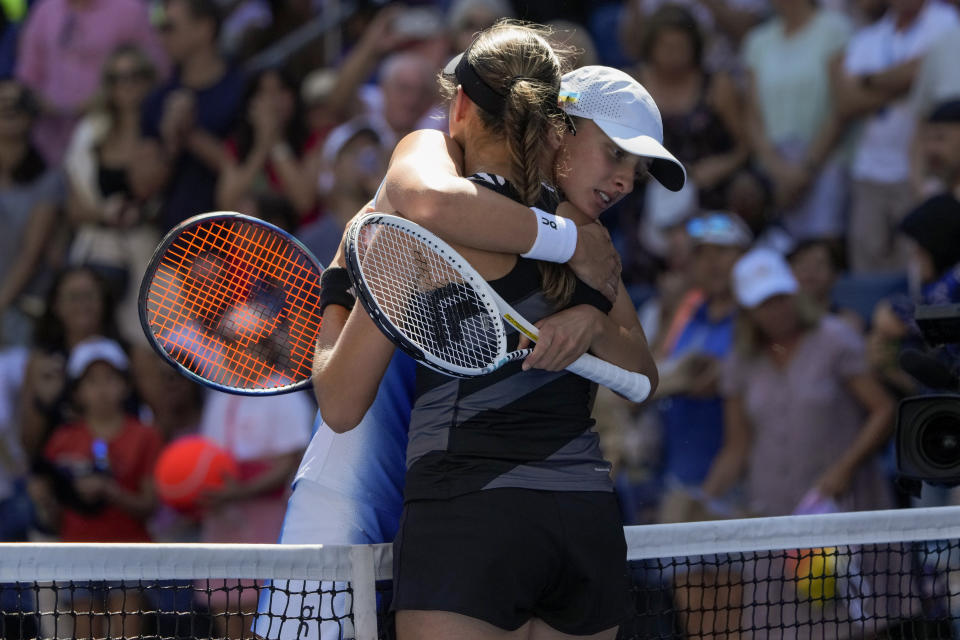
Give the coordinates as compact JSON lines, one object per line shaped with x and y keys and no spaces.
{"x":233,"y":302}
{"x":431,"y":303}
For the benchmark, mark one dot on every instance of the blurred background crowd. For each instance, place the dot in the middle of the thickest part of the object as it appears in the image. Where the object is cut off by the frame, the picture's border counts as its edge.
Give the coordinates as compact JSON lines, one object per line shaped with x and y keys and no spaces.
{"x":826,"y":132}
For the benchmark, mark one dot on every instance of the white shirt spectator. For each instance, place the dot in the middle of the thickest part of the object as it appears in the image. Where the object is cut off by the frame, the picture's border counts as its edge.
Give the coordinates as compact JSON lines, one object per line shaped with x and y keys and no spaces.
{"x":882,"y":152}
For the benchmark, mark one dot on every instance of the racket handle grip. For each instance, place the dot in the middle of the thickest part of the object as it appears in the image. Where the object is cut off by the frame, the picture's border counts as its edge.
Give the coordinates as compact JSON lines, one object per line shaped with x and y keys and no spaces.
{"x":631,"y":385}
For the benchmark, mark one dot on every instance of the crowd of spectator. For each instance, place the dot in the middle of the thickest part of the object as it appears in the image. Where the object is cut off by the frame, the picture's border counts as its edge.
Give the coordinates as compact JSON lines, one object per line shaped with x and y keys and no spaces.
{"x":825,"y":133}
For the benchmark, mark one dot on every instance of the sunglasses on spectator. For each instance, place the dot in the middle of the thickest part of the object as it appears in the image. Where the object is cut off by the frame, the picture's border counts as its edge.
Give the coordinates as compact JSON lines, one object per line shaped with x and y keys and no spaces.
{"x":167,"y":27}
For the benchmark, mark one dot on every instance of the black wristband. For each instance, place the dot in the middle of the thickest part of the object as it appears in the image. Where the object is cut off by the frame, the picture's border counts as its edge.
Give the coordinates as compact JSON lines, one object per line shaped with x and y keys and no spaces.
{"x":335,"y":288}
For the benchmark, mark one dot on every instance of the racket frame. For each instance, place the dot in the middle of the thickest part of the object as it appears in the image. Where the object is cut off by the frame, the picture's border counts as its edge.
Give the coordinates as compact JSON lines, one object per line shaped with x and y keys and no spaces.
{"x":382,"y":319}
{"x":172,"y":236}
{"x":634,"y":386}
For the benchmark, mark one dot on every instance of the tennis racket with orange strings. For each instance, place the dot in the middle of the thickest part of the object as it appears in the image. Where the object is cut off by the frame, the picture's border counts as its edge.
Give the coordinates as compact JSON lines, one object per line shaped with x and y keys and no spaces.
{"x":233,"y":302}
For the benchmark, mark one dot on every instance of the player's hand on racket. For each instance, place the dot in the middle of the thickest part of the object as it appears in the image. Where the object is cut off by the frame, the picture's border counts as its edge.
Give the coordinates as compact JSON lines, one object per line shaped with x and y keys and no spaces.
{"x":564,"y":337}
{"x":596,"y":261}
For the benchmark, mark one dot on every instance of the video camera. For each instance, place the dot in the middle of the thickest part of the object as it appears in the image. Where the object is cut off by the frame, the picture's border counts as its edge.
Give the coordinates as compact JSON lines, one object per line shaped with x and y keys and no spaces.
{"x":928,"y":426}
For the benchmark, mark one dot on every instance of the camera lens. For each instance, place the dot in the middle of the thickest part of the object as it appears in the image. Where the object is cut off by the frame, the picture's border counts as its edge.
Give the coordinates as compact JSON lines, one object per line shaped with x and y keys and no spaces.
{"x":940,"y":440}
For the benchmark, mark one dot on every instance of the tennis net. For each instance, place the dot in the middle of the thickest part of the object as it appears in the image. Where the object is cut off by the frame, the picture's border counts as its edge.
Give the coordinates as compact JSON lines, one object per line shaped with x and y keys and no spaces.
{"x":882,"y":574}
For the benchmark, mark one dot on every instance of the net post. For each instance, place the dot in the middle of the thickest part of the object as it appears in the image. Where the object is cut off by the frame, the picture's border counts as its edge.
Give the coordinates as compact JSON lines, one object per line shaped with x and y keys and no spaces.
{"x":363,"y":582}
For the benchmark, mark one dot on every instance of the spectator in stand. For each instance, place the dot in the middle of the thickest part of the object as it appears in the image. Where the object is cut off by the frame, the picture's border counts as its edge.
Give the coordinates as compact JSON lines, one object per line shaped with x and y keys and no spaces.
{"x":103,"y":469}
{"x":271,"y":151}
{"x":880,"y":64}
{"x":316,"y":94}
{"x":405,"y":96}
{"x":724,"y":24}
{"x":108,"y":204}
{"x":63,"y":48}
{"x":30,"y":197}
{"x":816,"y":264}
{"x":805,"y":421}
{"x":795,"y":380}
{"x":267,"y":436}
{"x":77,"y":308}
{"x":702,"y":111}
{"x":354,"y":162}
{"x":698,"y":338}
{"x":192,"y":113}
{"x":939,"y":147}
{"x":790,"y":120}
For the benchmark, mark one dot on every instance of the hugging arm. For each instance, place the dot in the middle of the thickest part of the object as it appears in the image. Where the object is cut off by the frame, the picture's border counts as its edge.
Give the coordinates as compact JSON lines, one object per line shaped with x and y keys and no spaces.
{"x":349,"y":362}
{"x":616,"y":337}
{"x":424,"y":183}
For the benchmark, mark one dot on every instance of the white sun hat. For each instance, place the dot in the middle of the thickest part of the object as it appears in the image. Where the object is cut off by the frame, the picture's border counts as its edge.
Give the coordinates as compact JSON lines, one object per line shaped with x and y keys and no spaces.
{"x":761,"y":274}
{"x":95,"y":349}
{"x":623,"y":110}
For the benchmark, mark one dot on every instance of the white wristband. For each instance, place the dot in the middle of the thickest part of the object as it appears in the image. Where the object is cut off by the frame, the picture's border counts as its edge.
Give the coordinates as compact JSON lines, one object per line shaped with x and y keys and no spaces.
{"x":556,"y":238}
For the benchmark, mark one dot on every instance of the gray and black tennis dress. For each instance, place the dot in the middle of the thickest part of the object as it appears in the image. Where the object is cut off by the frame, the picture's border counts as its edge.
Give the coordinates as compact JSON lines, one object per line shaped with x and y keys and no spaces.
{"x":509,"y":508}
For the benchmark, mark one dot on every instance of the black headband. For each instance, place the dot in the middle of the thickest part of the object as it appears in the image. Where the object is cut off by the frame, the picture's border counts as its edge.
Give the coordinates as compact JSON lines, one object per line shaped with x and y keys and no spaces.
{"x":485,"y":96}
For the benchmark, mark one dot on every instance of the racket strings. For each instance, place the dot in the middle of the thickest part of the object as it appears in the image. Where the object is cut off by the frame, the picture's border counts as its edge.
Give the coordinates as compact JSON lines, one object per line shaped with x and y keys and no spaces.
{"x":428,"y":299}
{"x":236,"y":304}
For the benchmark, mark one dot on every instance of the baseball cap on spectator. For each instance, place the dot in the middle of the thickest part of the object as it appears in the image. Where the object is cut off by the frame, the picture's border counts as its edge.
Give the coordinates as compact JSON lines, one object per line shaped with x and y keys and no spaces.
{"x":623,"y":110}
{"x":760,"y":275}
{"x":946,"y":112}
{"x":720,"y":228}
{"x":95,"y":349}
{"x":340,"y":136}
{"x":317,"y":86}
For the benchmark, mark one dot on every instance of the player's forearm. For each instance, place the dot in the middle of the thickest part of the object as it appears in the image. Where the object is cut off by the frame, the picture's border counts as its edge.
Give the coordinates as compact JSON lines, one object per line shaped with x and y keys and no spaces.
{"x":463,"y":213}
{"x":424,"y":183}
{"x":348,"y":369}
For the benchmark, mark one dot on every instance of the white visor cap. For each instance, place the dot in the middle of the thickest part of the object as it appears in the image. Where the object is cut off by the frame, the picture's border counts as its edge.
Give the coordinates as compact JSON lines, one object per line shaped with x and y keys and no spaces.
{"x":623,"y":110}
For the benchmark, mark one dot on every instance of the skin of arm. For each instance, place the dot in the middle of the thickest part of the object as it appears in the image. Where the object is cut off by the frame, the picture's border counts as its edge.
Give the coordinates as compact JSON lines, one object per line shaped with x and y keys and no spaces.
{"x":424,"y":183}
{"x":297,"y":175}
{"x":378,"y":39}
{"x":756,"y":130}
{"x":139,"y":504}
{"x":236,"y":177}
{"x":731,"y":461}
{"x":875,"y":431}
{"x":281,"y":468}
{"x":616,"y":337}
{"x":349,"y":362}
{"x":206,"y":147}
{"x":860,"y":95}
{"x":348,"y":366}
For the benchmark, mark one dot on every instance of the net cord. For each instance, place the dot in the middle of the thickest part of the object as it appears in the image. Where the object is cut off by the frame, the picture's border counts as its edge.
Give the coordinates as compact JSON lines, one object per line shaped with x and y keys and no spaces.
{"x":27,"y":562}
{"x":792,"y":532}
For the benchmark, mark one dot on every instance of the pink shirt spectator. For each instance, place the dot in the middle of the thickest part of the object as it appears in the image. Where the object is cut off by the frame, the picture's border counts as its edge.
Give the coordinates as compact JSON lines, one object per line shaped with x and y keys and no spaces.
{"x":803,"y":418}
{"x":62,"y":50}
